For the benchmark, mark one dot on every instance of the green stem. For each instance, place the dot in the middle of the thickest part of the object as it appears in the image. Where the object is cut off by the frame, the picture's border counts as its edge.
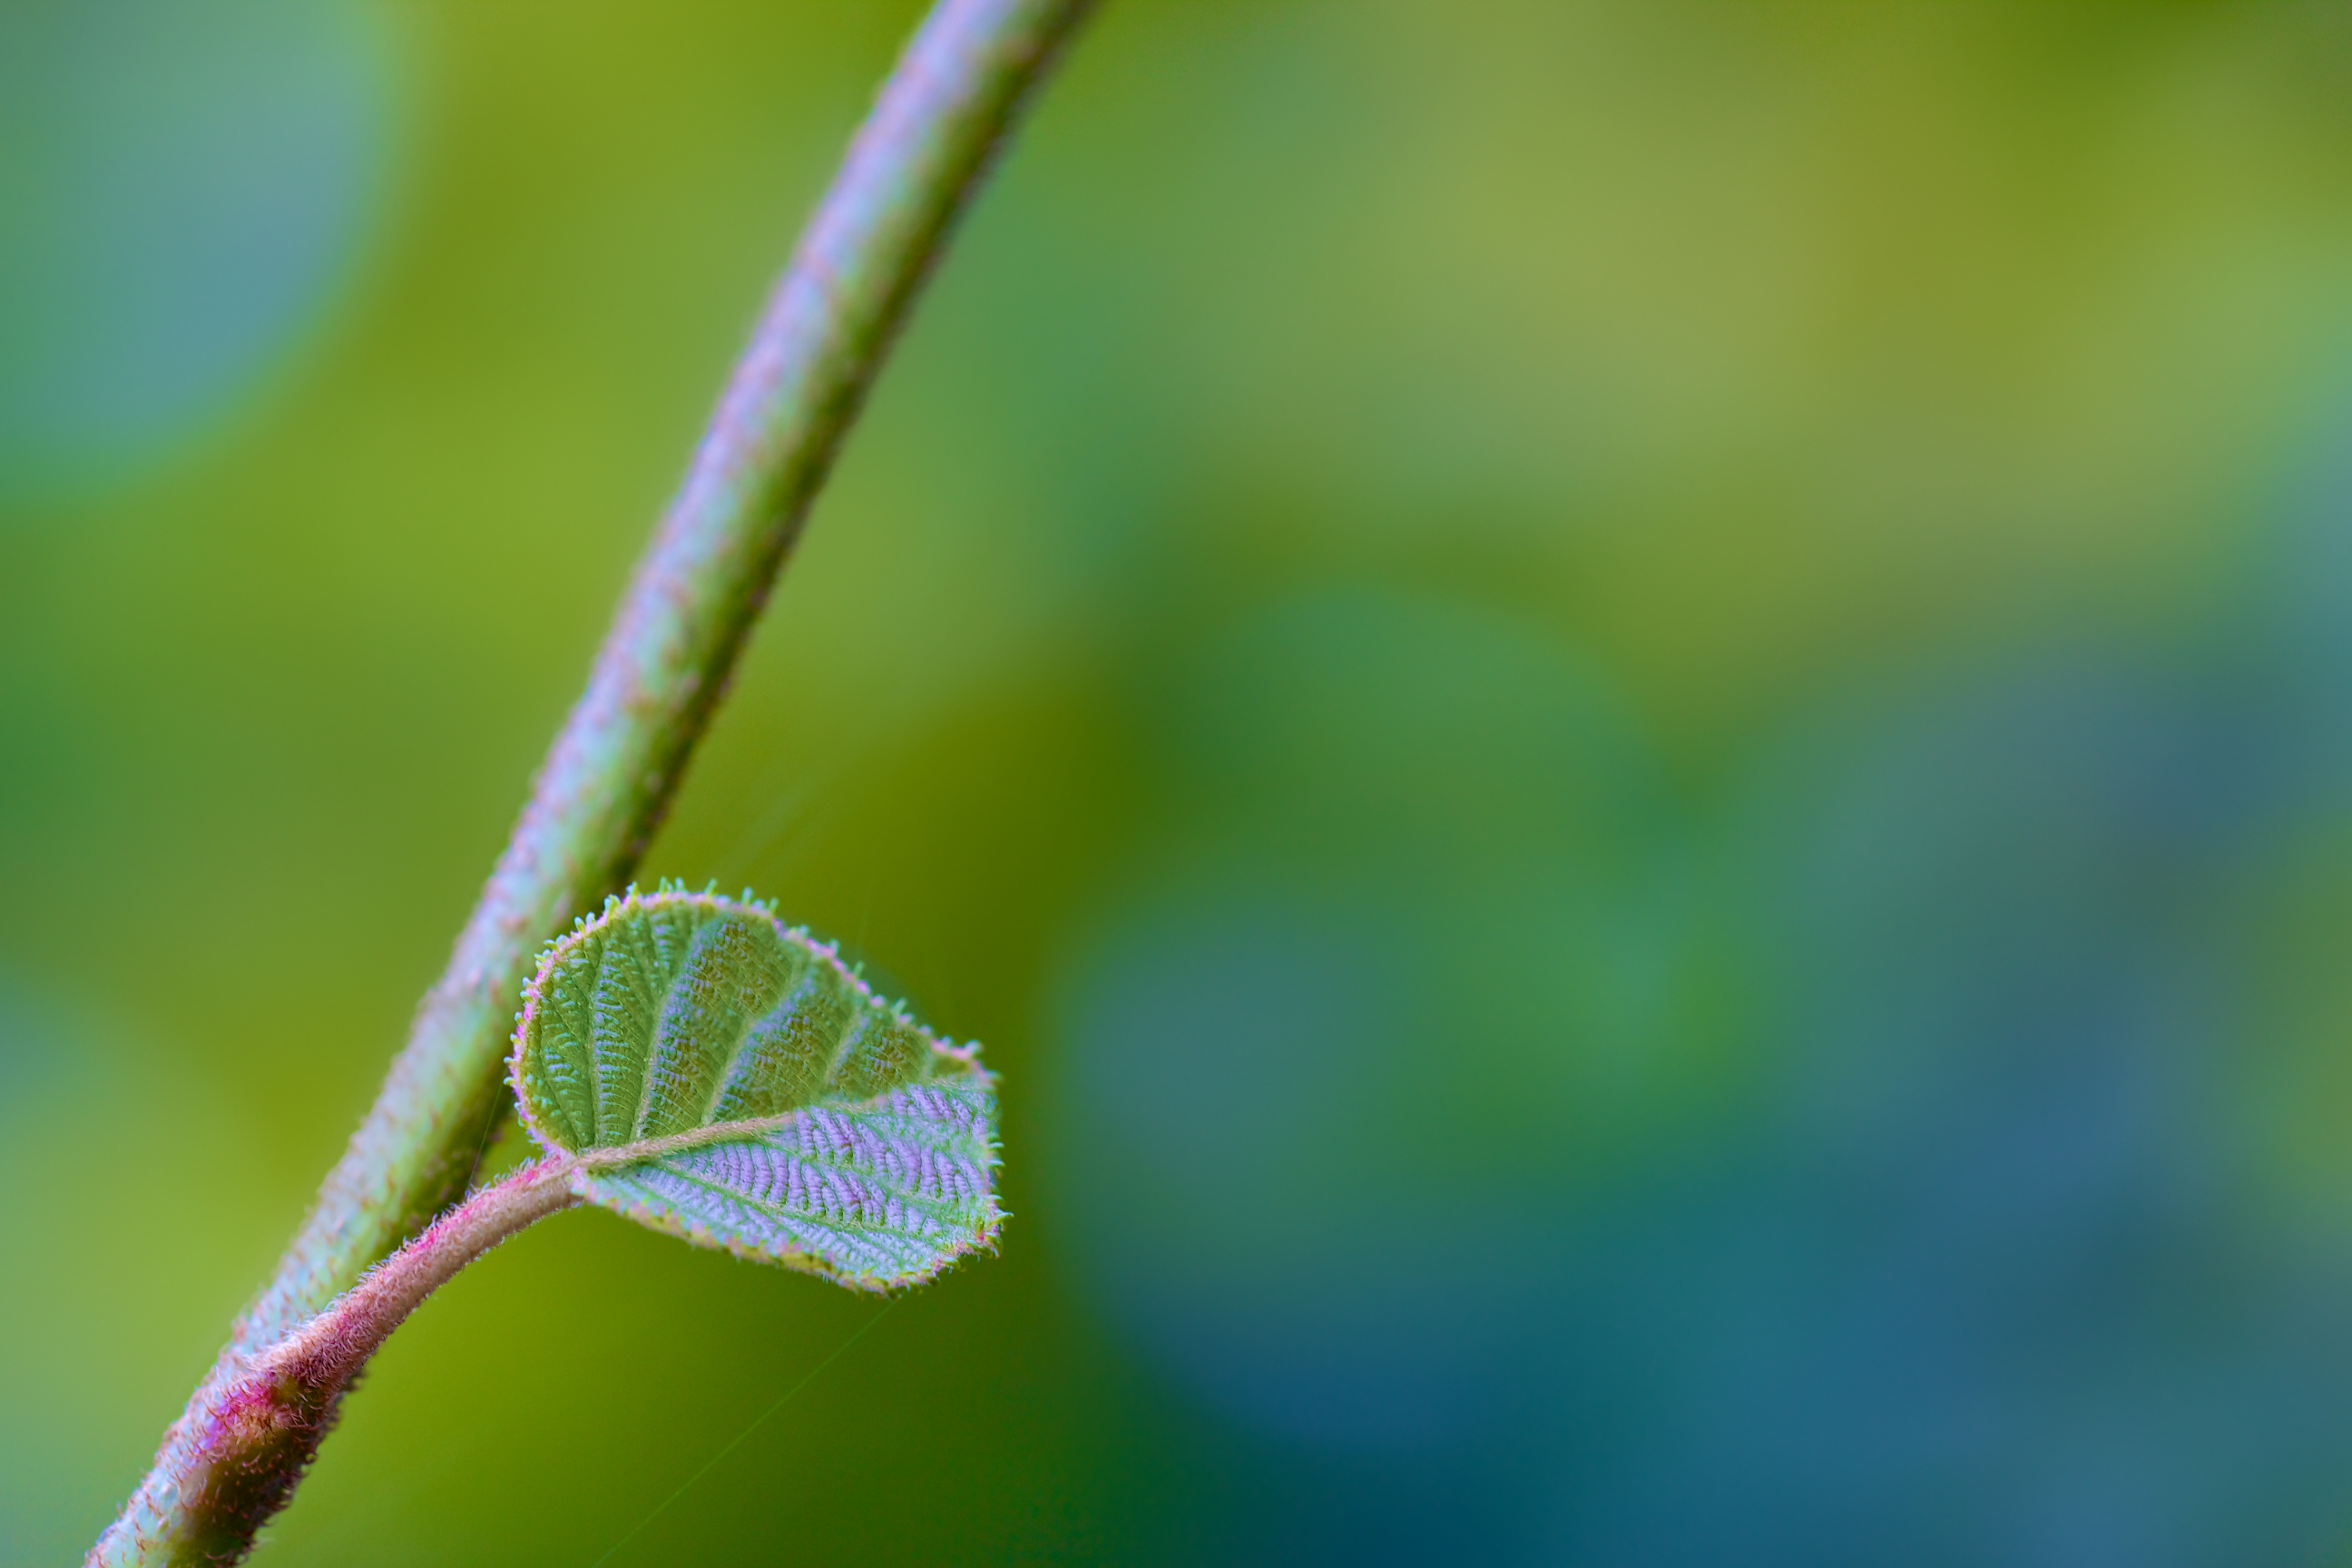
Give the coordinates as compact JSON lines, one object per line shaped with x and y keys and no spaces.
{"x":240,"y":1449}
{"x":614,"y":766}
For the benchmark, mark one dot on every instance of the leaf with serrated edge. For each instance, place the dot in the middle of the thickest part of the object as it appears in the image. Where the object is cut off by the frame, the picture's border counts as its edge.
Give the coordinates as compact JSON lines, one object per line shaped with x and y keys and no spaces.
{"x":719,"y":1075}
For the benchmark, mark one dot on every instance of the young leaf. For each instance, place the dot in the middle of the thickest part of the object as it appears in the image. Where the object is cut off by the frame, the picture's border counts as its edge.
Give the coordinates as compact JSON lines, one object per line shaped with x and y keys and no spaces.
{"x":720,"y":1076}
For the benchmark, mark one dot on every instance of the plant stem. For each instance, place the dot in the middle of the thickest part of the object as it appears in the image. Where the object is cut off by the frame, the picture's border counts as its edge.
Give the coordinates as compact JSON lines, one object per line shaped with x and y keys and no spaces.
{"x":246,"y":1445}
{"x":262,"y":1424}
{"x":614,"y":766}
{"x":318,"y":1361}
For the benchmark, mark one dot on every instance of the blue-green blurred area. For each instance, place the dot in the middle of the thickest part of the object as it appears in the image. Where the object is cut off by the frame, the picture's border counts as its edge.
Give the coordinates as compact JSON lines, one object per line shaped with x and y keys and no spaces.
{"x":1631,"y":723}
{"x":180,"y":183}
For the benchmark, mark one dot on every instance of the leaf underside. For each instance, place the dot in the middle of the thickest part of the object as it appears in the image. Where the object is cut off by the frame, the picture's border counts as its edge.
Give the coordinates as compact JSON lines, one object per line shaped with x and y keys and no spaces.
{"x":726,"y":1078}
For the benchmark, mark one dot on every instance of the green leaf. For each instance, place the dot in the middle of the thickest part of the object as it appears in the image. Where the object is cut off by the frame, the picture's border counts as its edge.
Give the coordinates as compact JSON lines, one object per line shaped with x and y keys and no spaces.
{"x":720,"y":1076}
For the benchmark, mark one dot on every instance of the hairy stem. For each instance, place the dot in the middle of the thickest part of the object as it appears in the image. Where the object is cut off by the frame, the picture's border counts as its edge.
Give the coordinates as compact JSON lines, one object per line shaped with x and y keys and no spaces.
{"x":246,"y":1445}
{"x":318,"y":1361}
{"x":615,"y":764}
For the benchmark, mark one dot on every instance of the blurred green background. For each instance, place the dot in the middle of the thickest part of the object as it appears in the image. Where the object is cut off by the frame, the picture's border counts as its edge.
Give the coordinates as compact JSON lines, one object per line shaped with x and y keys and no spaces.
{"x":1630,"y":723}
